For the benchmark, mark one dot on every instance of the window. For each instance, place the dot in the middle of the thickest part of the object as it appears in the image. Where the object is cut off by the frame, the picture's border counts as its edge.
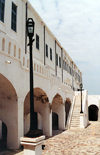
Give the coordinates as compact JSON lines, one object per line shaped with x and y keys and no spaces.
{"x":2,"y":7}
{"x":14,"y":17}
{"x":60,"y":62}
{"x":37,"y":41}
{"x":46,"y":50}
{"x":50,"y":54}
{"x":57,"y":59}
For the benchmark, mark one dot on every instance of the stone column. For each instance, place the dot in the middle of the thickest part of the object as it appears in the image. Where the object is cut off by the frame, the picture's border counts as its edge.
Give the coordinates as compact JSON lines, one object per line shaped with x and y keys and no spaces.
{"x":62,"y":117}
{"x":20,"y":119}
{"x":47,"y":122}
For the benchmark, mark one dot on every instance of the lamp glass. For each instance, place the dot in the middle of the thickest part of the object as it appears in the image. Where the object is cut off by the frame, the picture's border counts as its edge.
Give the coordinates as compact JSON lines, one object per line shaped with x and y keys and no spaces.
{"x":30,"y":30}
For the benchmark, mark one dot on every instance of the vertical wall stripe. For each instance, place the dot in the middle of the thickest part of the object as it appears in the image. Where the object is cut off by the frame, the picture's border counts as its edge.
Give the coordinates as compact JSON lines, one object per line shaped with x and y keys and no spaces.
{"x":62,"y":62}
{"x":44,"y":44}
{"x":55,"y":60}
{"x":72,"y":77}
{"x":25,"y":28}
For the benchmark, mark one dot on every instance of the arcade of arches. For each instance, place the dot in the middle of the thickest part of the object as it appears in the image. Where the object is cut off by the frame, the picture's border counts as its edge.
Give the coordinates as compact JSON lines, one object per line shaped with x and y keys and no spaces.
{"x":49,"y":116}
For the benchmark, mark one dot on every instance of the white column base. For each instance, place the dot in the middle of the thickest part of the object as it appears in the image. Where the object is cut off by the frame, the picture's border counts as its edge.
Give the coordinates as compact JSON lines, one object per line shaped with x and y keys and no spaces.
{"x":32,"y":146}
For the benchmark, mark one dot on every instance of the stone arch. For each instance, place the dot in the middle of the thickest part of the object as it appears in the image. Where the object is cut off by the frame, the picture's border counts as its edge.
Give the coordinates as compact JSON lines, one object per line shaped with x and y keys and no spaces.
{"x":54,"y":91}
{"x":9,"y":111}
{"x":93,"y":112}
{"x":67,"y":108}
{"x":41,"y":107}
{"x":59,"y":108}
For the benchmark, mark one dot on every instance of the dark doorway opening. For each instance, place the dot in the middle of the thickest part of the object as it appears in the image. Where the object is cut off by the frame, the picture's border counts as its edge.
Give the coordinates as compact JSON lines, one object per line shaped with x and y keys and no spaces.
{"x":93,"y":113}
{"x":3,"y":140}
{"x":55,"y":125}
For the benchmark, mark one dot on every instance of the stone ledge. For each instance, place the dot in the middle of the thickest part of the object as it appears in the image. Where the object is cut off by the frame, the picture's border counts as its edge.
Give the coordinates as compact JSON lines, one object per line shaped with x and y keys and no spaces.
{"x":32,"y":140}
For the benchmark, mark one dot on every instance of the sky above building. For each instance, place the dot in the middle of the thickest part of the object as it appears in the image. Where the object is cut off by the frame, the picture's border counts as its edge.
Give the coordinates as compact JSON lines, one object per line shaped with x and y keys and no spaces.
{"x":76,"y":24}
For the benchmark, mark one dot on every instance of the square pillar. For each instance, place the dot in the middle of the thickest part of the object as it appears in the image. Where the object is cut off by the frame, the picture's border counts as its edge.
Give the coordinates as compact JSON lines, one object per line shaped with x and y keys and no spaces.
{"x":82,"y":120}
{"x":20,"y":119}
{"x":62,"y":118}
{"x":47,"y":123}
{"x":32,"y":146}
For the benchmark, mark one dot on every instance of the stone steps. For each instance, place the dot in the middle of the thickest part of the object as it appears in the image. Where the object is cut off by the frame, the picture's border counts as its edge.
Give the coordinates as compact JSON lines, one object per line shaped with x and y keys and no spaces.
{"x":75,"y":121}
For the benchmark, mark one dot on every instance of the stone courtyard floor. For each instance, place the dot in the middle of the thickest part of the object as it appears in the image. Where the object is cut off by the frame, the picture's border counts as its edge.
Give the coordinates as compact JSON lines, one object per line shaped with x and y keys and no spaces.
{"x":72,"y":142}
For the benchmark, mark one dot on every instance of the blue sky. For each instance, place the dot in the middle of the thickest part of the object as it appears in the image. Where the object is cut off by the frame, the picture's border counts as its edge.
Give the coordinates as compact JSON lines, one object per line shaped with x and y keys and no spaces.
{"x":76,"y":24}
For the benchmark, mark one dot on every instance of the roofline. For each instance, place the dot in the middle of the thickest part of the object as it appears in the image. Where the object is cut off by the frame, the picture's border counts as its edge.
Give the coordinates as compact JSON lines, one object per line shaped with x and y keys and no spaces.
{"x":32,"y":8}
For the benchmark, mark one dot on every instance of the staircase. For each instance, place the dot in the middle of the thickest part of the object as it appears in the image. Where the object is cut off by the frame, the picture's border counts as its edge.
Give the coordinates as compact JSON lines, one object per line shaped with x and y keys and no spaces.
{"x":75,"y":120}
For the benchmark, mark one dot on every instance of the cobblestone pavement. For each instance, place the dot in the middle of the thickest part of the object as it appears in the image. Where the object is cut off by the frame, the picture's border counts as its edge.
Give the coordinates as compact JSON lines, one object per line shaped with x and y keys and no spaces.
{"x":72,"y":142}
{"x":75,"y":142}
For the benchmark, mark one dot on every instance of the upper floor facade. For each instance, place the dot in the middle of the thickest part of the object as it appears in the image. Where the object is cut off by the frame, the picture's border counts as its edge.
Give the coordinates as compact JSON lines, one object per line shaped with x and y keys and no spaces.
{"x":49,"y":57}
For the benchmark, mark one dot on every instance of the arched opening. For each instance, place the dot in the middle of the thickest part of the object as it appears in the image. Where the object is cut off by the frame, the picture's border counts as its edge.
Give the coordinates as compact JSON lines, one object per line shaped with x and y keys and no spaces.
{"x":67,"y":108}
{"x":93,"y":112}
{"x":55,"y":125}
{"x":3,"y":136}
{"x":58,"y":117}
{"x":41,"y":110}
{"x":8,"y":113}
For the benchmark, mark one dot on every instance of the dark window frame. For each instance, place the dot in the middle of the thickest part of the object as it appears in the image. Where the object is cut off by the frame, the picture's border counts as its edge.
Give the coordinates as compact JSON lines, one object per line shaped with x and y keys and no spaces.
{"x":56,"y":59}
{"x":46,"y":50}
{"x":2,"y":10}
{"x":51,"y":54}
{"x":59,"y":61}
{"x":14,"y":17}
{"x":37,"y":41}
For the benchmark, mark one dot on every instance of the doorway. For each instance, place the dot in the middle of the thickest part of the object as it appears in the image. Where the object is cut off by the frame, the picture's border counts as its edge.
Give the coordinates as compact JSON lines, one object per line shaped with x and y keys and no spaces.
{"x":93,"y":113}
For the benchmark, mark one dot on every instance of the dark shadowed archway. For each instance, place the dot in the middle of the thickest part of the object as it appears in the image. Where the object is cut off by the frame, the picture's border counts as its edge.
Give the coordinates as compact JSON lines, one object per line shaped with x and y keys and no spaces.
{"x":93,"y":112}
{"x":55,"y":125}
{"x":41,"y":109}
{"x":67,"y":108}
{"x":3,"y":136}
{"x":58,"y":117}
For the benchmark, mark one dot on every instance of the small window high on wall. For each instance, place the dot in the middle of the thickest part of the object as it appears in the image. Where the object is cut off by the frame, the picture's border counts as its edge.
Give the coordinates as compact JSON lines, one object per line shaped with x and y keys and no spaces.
{"x":14,"y":17}
{"x":46,"y":50}
{"x":57,"y":59}
{"x":50,"y":54}
{"x":37,"y":41}
{"x":2,"y":8}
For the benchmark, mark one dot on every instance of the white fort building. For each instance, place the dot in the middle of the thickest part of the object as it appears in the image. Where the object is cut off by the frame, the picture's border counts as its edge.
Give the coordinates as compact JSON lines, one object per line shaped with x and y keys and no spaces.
{"x":56,"y":77}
